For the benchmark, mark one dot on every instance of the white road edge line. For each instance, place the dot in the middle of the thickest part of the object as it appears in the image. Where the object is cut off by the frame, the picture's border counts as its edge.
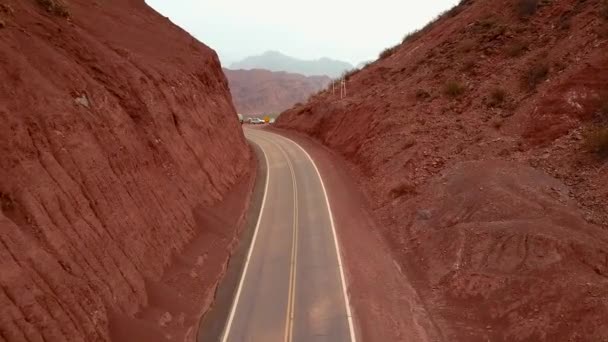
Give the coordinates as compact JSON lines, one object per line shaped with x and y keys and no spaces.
{"x":226,"y":332}
{"x":333,"y":228}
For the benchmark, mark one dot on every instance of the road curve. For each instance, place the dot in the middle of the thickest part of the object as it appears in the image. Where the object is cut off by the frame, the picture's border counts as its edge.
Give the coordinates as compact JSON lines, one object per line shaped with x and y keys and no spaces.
{"x":292,"y":286}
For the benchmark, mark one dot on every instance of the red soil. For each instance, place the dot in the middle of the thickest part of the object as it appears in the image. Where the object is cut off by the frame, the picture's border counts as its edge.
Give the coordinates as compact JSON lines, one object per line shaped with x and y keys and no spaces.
{"x":490,"y":200}
{"x":262,"y":92}
{"x":118,"y":139}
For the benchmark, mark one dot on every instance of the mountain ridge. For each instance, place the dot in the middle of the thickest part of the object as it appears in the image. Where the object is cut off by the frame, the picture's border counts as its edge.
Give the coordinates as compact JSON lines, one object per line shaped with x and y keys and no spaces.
{"x":277,"y":61}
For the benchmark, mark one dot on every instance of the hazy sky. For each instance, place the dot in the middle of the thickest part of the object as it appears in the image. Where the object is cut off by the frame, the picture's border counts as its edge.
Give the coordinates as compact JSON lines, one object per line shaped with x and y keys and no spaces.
{"x":348,"y":30}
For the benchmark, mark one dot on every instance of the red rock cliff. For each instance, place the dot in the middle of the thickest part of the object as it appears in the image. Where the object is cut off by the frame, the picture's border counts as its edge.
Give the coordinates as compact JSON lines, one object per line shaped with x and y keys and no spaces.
{"x":265,"y":92}
{"x":478,"y":142}
{"x":116,"y":124}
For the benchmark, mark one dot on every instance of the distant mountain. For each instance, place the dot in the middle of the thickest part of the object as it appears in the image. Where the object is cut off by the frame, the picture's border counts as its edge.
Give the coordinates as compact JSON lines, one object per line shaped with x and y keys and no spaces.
{"x":276,"y":61}
{"x":262,"y":92}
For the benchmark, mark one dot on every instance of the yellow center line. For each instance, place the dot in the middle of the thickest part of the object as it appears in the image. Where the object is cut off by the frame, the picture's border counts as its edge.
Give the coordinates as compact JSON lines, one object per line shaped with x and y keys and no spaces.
{"x":294,"y":254}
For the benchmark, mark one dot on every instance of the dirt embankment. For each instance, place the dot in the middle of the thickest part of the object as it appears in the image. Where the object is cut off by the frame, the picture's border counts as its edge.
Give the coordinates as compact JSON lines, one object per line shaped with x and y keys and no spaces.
{"x":119,"y":145}
{"x":478,"y":144}
{"x":264,"y":92}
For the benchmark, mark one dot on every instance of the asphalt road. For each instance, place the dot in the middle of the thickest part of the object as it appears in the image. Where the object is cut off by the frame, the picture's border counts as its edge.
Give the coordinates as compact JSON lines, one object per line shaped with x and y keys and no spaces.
{"x":292,"y":284}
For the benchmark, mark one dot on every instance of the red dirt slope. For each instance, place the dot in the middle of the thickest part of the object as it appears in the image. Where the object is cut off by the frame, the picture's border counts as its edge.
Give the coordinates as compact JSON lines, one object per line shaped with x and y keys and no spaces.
{"x":261,"y":91}
{"x":469,"y":140}
{"x":118,"y":136}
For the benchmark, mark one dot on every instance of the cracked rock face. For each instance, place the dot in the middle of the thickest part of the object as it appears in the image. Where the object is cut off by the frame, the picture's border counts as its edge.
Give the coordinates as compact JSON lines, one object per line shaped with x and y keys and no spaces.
{"x":97,"y":191}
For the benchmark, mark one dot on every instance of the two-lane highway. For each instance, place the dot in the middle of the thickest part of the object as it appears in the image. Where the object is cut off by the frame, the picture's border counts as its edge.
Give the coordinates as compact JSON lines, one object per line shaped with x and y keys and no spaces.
{"x":292,"y":286}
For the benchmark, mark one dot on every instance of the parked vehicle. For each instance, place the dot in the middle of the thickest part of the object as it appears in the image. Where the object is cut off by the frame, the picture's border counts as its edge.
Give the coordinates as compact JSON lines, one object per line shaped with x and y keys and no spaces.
{"x":241,"y":119}
{"x":257,"y":121}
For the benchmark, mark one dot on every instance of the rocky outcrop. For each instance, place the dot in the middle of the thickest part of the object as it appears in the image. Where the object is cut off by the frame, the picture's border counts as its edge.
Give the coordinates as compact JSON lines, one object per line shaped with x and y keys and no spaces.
{"x":117,"y":128}
{"x":476,"y":144}
{"x":259,"y":91}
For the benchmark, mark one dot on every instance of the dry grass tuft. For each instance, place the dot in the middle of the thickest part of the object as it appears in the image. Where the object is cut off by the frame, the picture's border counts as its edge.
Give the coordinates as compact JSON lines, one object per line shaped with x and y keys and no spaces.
{"x":388,"y":52}
{"x":453,"y":88}
{"x":597,"y":141}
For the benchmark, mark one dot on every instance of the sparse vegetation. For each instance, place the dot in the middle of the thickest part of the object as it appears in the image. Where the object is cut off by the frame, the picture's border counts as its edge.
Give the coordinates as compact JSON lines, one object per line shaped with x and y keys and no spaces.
{"x":422,"y":94}
{"x":388,"y":52}
{"x":604,"y":9}
{"x":516,"y":48}
{"x":487,"y":23}
{"x":453,"y":88}
{"x":348,"y":74}
{"x":56,"y":7}
{"x":410,"y":36}
{"x":527,"y":8}
{"x":497,"y":97}
{"x":537,"y":73}
{"x":597,"y":141}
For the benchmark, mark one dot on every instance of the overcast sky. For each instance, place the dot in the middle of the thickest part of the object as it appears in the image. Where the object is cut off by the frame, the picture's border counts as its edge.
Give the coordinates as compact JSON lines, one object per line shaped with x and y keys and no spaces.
{"x":341,"y":29}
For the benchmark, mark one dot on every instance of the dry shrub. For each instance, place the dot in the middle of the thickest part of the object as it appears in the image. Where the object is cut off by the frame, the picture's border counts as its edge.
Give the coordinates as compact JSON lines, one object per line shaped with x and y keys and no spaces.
{"x":388,"y":52}
{"x":348,"y":74}
{"x":497,"y":97}
{"x":410,"y":36}
{"x":604,"y":10}
{"x":453,"y":88}
{"x":537,"y":73}
{"x":527,"y":8}
{"x":516,"y":48}
{"x":422,"y":94}
{"x":56,"y":7}
{"x":597,"y":141}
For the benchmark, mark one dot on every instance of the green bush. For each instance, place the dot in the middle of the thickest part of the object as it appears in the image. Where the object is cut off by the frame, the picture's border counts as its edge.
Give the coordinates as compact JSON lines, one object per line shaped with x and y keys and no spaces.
{"x":56,"y":7}
{"x":453,"y":88}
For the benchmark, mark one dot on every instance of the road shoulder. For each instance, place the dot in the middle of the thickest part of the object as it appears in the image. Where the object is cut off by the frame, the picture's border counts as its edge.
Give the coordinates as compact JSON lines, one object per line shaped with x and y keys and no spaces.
{"x":212,"y":324}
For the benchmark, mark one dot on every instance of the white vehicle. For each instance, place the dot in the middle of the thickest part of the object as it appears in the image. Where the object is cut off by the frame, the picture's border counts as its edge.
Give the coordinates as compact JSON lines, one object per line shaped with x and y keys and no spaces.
{"x":257,"y":121}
